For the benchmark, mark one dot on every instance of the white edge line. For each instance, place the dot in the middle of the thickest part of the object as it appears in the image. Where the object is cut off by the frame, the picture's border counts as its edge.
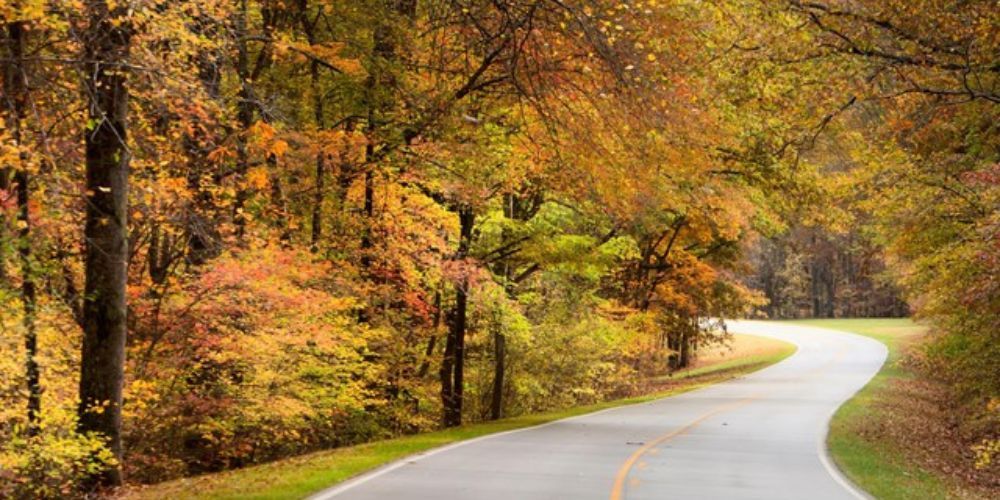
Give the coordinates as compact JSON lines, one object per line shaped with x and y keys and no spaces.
{"x":824,"y":451}
{"x":385,"y":469}
{"x":356,"y":481}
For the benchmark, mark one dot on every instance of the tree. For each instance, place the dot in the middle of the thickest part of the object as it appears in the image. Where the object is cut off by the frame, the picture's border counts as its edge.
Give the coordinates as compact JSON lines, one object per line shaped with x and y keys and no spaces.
{"x":16,"y":98}
{"x":106,"y":41}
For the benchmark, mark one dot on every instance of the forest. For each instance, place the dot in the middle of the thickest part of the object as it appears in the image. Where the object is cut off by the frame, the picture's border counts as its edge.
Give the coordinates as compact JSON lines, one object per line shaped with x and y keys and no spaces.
{"x":233,"y":231}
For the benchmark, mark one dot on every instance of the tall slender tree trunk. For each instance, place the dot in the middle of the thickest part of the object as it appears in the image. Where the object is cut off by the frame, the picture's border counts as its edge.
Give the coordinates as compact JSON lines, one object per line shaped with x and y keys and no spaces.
{"x":6,"y":173}
{"x":831,"y":292}
{"x":29,"y":298}
{"x":5,"y":184}
{"x":4,"y":238}
{"x":319,"y":193}
{"x":244,"y":115}
{"x":16,"y":90}
{"x":380,"y":78}
{"x":453,"y":364}
{"x":685,"y":350}
{"x":499,"y":365}
{"x":425,"y":365}
{"x":202,"y":234}
{"x":447,"y":381}
{"x":107,"y":43}
{"x":499,"y":340}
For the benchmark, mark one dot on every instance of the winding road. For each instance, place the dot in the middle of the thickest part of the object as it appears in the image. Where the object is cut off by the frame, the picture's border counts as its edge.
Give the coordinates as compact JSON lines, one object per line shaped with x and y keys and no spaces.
{"x":759,"y":436}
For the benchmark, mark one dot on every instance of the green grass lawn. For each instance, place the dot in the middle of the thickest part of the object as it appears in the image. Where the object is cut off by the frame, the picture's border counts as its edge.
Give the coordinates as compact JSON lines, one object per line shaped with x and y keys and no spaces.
{"x":875,"y":465}
{"x":300,"y":476}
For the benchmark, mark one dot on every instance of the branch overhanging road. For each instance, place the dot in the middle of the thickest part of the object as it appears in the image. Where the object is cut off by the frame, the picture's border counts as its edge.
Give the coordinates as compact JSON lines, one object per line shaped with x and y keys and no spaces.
{"x":759,"y":436}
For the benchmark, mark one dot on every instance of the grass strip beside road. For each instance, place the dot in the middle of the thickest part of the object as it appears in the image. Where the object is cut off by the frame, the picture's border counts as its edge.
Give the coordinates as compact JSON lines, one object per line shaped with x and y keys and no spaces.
{"x":301,"y":476}
{"x":877,"y":461}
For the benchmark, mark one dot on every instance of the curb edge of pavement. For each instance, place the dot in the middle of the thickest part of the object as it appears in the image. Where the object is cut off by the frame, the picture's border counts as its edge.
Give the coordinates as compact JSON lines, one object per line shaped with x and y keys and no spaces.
{"x":824,"y":451}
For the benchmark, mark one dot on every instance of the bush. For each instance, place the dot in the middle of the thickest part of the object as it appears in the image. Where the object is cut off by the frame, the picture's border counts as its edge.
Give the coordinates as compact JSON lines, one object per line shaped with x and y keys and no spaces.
{"x":53,"y":462}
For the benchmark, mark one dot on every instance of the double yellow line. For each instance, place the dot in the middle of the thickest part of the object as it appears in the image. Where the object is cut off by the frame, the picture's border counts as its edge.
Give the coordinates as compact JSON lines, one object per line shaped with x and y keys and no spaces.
{"x":618,"y":490}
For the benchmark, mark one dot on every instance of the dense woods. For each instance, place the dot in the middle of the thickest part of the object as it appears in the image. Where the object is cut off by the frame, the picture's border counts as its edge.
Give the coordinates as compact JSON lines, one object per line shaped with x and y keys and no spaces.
{"x":236,"y":230}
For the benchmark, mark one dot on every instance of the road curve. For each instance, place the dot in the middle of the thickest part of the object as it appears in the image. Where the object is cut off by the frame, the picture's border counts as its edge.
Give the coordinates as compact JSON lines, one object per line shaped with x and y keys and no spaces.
{"x":759,"y":436}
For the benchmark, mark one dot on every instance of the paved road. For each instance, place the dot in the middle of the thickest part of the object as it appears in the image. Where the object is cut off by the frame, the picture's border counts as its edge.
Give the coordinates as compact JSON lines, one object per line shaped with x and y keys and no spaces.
{"x":759,"y":436}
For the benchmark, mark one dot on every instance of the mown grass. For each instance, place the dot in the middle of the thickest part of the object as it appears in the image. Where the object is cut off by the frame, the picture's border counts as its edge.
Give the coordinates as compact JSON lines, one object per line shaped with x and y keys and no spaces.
{"x":877,"y":465}
{"x":300,"y":476}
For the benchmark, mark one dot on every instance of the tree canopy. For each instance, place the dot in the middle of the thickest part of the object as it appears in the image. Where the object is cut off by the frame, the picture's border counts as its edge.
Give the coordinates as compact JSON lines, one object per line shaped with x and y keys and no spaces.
{"x":236,"y":230}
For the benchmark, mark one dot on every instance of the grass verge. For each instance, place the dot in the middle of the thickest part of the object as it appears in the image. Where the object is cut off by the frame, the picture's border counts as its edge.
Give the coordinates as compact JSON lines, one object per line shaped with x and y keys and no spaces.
{"x":298,"y":477}
{"x":878,"y":438}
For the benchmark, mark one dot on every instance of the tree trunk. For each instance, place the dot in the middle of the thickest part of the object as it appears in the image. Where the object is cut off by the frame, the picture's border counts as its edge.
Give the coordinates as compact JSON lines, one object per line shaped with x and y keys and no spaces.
{"x":685,"y":350}
{"x":453,"y":365}
{"x":16,"y":88}
{"x":499,"y":353}
{"x":379,"y":78}
{"x":244,"y":115}
{"x":425,"y":365}
{"x":30,"y":302}
{"x":107,"y":44}
{"x":6,"y":171}
{"x":317,"y":209}
{"x":453,"y":383}
{"x":319,"y":193}
{"x":510,"y":203}
{"x":4,"y":193}
{"x":446,"y":372}
{"x":831,"y":293}
{"x":369,"y":211}
{"x":201,"y":220}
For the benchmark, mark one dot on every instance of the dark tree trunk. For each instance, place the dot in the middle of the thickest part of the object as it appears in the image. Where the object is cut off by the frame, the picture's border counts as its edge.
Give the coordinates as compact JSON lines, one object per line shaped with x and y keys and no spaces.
{"x":201,"y":220}
{"x":317,"y":210}
{"x":369,"y":211}
{"x":107,"y":44}
{"x":319,"y":192}
{"x":453,"y":364}
{"x":244,"y":116}
{"x":673,"y":360}
{"x":499,"y":364}
{"x":30,"y":302}
{"x":16,"y":89}
{"x":380,"y":77}
{"x":831,"y":293}
{"x":510,"y":211}
{"x":447,"y":382}
{"x":685,"y":351}
{"x":345,"y":171}
{"x":425,"y":365}
{"x":5,"y":173}
{"x":384,"y":50}
{"x":453,"y":402}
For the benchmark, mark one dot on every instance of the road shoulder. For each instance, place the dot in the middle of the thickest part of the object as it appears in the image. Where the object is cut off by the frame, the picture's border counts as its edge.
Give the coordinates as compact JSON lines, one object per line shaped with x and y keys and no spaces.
{"x":895,"y":439}
{"x":301,"y":476}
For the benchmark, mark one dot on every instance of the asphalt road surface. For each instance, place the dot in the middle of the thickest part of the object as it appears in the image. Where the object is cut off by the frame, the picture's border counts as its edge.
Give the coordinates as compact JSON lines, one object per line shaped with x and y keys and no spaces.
{"x":760,"y":436}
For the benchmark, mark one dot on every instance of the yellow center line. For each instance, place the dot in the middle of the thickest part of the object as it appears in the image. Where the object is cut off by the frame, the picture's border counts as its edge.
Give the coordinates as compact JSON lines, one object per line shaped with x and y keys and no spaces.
{"x":618,"y":489}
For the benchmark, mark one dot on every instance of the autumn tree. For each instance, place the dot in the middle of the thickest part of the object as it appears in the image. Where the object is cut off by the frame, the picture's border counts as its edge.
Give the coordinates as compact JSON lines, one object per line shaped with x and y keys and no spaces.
{"x":107,"y":45}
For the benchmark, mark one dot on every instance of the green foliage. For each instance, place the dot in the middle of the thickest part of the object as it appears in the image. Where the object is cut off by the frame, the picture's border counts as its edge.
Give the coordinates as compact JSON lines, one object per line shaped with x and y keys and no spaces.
{"x":51,"y":462}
